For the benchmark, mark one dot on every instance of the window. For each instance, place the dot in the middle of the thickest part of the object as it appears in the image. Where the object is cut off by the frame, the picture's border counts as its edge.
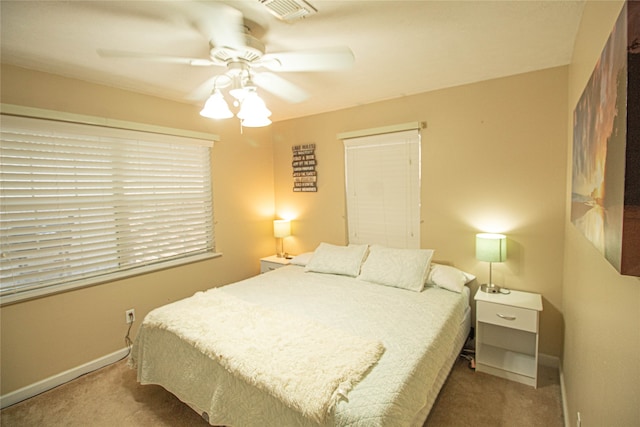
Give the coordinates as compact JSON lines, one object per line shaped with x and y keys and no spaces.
{"x":383,"y":188}
{"x":81,"y":204}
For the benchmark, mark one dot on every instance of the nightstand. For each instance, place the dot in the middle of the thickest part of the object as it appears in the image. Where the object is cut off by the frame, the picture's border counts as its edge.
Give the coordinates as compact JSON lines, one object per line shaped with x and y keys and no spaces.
{"x":272,"y":262}
{"x":507,"y":335}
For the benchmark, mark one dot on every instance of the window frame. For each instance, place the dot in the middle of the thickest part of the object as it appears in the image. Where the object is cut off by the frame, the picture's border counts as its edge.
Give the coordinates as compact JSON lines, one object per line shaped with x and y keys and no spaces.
{"x":406,"y":141}
{"x":96,"y":125}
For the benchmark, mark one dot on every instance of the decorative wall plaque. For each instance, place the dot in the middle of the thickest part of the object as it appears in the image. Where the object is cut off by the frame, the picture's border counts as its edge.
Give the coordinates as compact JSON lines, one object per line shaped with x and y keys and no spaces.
{"x":304,"y":164}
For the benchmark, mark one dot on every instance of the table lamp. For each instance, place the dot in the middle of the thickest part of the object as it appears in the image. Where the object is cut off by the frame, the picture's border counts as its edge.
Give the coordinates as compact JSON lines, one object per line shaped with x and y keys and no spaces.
{"x":281,"y":229}
{"x":491,"y":248}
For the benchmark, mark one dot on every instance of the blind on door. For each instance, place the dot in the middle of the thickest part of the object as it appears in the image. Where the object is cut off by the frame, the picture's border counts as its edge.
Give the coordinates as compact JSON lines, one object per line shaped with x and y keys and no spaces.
{"x":383,"y":189}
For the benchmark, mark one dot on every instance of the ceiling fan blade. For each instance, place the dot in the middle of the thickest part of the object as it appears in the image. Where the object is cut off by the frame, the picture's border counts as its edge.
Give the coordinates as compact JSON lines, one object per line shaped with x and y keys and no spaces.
{"x":203,"y":91}
{"x":223,"y":25}
{"x":280,"y":87}
{"x":153,"y":57}
{"x":336,"y":58}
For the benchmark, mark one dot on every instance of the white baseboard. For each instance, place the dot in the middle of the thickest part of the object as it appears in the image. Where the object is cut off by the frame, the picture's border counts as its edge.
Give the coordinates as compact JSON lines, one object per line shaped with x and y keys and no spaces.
{"x":59,"y":379}
{"x":563,"y":396}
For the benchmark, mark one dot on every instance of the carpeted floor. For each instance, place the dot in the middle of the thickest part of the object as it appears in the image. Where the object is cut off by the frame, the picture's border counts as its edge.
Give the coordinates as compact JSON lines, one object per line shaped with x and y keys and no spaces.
{"x":470,"y":398}
{"x":112,"y":397}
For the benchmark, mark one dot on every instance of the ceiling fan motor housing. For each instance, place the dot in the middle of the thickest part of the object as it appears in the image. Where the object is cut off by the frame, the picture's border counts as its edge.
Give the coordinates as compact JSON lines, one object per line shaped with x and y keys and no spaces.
{"x":250,"y":52}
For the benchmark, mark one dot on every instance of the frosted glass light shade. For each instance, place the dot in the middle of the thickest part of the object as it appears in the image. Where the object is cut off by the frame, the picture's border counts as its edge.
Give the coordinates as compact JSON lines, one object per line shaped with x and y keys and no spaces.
{"x":253,"y":111}
{"x":491,"y":247}
{"x":281,"y":228}
{"x":216,"y":107}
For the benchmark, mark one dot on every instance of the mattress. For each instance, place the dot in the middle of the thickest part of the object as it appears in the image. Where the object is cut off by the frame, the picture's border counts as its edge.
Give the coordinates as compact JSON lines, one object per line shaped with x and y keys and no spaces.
{"x":421,"y":332}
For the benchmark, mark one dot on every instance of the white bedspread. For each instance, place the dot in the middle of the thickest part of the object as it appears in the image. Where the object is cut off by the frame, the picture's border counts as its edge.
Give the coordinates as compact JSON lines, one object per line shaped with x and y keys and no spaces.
{"x":416,"y":329}
{"x":290,"y":357}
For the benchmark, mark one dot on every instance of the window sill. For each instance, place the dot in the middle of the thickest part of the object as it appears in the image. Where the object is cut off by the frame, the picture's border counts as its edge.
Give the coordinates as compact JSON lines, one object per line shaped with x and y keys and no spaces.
{"x":20,"y":296}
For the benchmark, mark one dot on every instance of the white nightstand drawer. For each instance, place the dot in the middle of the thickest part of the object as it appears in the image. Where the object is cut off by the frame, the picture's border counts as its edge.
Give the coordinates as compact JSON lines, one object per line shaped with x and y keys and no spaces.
{"x":508,"y":316}
{"x":268,"y":266}
{"x":272,"y":262}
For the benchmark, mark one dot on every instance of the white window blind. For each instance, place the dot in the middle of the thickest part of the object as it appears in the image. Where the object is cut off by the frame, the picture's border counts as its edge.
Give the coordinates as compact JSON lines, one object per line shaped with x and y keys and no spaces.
{"x":383,"y":189}
{"x":82,"y":202}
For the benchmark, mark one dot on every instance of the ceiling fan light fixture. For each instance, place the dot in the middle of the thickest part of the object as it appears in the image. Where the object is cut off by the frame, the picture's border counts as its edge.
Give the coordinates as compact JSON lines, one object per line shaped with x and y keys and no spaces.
{"x":216,"y":107}
{"x":253,"y":111}
{"x":238,"y":93}
{"x":253,"y":108}
{"x":238,"y":88}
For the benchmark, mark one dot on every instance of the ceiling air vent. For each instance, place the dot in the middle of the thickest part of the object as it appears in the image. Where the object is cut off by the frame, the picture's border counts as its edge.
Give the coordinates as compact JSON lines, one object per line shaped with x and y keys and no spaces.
{"x":289,"y":10}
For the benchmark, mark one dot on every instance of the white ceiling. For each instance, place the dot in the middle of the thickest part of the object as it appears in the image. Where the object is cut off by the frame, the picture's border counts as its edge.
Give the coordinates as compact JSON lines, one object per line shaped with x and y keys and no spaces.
{"x":400,"y":47}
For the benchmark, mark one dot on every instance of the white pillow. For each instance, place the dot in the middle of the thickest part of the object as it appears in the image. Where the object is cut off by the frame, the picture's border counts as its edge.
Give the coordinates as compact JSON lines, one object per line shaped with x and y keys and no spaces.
{"x":400,"y":268}
{"x":301,"y":259}
{"x":332,"y":259}
{"x":448,"y":277}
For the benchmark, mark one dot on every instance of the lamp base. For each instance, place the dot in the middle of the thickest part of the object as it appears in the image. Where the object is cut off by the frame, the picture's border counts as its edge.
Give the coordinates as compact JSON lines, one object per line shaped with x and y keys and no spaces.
{"x":490,"y":288}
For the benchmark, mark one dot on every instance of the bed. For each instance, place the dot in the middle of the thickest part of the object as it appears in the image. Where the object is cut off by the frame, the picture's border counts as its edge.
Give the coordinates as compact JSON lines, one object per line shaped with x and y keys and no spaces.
{"x":344,"y":336}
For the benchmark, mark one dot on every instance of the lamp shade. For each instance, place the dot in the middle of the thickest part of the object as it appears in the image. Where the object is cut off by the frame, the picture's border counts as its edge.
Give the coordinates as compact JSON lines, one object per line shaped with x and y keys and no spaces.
{"x":253,"y":112}
{"x":491,"y":247}
{"x":281,"y":228}
{"x":216,"y":107}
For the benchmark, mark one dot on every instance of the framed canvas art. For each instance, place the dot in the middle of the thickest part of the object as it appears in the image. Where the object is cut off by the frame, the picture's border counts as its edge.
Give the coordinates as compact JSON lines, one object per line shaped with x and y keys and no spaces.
{"x":606,"y":148}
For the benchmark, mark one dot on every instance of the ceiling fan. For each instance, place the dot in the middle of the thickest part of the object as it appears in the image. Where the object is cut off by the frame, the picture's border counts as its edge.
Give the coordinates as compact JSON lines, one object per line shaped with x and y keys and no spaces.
{"x":232,"y":46}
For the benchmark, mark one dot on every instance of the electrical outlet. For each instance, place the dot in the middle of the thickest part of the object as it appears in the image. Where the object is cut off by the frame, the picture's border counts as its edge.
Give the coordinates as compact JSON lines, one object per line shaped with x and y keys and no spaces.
{"x":130,"y":315}
{"x":579,"y":420}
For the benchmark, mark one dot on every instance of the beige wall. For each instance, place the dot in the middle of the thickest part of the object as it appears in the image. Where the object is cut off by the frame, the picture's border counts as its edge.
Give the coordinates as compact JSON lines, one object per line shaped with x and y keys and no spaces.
{"x":601,"y":308}
{"x":493,"y":159}
{"x":47,"y":336}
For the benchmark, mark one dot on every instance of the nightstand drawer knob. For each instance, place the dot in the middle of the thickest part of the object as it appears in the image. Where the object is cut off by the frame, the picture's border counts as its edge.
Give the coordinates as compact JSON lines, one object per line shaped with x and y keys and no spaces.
{"x":502,"y":316}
